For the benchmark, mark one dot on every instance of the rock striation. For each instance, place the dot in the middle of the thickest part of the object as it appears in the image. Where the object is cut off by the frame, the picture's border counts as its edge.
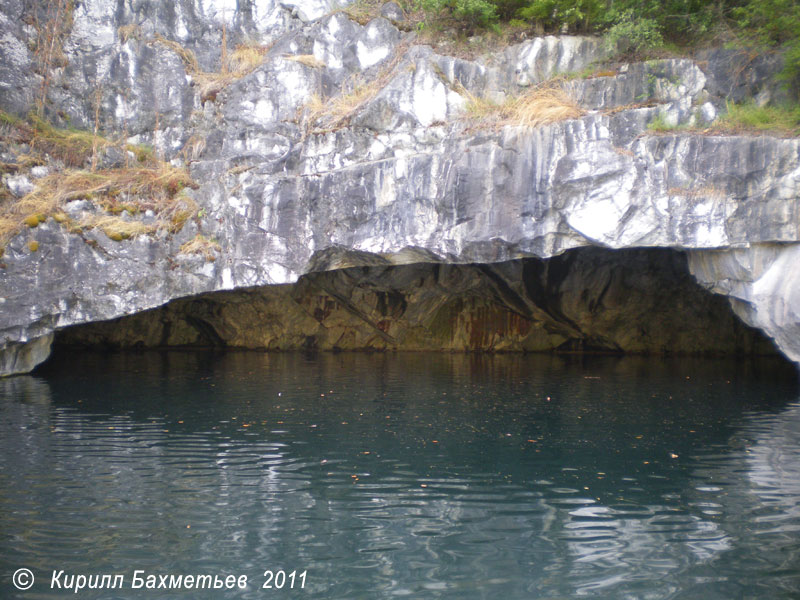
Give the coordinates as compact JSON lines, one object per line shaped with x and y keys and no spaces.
{"x":352,"y":145}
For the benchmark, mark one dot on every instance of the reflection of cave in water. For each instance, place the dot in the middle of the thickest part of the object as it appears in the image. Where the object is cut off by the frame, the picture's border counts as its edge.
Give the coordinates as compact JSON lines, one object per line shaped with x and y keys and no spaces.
{"x":604,"y":542}
{"x":744,"y":505}
{"x":23,"y":421}
{"x":774,"y":469}
{"x":26,"y":390}
{"x":751,"y":490}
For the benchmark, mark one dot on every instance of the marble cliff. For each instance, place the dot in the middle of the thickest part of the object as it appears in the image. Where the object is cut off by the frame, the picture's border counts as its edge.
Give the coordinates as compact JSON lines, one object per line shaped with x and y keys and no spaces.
{"x":348,"y":197}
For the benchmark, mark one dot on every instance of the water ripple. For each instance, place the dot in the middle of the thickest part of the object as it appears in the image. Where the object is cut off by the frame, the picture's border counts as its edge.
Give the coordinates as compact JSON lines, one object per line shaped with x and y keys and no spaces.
{"x":422,"y":477}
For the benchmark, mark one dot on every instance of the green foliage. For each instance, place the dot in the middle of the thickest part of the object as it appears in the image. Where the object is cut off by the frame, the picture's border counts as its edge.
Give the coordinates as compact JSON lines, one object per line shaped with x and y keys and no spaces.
{"x":470,"y":13}
{"x":580,"y":15}
{"x":791,"y":69}
{"x":775,"y":20}
{"x":9,"y":119}
{"x":775,"y":23}
{"x":740,"y":119}
{"x":632,"y":24}
{"x":679,"y":20}
{"x":660,"y":124}
{"x":632,"y":35}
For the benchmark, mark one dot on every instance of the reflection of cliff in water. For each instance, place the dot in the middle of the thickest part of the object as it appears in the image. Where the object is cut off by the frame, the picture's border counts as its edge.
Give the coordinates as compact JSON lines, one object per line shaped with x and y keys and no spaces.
{"x":740,"y":502}
{"x":576,"y":476}
{"x":774,"y":464}
{"x":751,"y":488}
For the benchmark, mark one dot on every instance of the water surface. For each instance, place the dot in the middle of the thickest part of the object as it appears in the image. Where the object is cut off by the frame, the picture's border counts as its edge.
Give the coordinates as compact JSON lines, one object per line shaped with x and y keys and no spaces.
{"x":416,"y":475}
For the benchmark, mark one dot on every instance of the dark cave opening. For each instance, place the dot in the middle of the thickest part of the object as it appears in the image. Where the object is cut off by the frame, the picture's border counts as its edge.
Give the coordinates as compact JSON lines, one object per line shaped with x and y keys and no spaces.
{"x":637,"y":301}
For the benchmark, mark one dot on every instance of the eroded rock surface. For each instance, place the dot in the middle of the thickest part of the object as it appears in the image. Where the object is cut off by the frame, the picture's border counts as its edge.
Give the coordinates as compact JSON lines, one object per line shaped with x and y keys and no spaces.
{"x":763,"y":285}
{"x":22,"y":357}
{"x":391,"y":169}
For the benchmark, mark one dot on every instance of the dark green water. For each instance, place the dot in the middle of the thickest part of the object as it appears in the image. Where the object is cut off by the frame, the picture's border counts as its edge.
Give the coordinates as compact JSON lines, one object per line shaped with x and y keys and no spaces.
{"x":419,"y":476}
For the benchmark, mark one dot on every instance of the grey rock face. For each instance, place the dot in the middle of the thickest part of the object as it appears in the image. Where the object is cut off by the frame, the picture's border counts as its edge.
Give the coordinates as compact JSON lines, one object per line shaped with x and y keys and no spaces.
{"x":19,"y":185}
{"x":18,"y":81}
{"x":350,"y":145}
{"x":392,"y":11}
{"x":763,"y":284}
{"x":739,"y":75}
{"x":22,"y":357}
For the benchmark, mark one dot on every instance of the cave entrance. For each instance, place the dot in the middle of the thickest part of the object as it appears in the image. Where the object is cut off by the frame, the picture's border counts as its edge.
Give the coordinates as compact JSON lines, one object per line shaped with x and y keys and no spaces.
{"x":641,"y":301}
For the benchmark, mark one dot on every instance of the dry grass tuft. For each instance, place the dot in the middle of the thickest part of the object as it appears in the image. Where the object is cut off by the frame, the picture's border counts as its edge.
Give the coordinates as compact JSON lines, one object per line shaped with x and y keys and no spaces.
{"x":544,"y":106}
{"x":157,"y":188}
{"x":150,"y":185}
{"x":541,"y":105}
{"x":211,"y":84}
{"x":239,"y":169}
{"x":247,"y":57}
{"x":9,"y":225}
{"x":129,"y":32}
{"x":706,"y":191}
{"x":153,"y":184}
{"x":335,"y":113}
{"x":187,"y":57}
{"x":174,"y":215}
{"x":632,"y":106}
{"x":309,"y":60}
{"x":193,"y":148}
{"x":623,"y":151}
{"x":200,"y":244}
{"x":330,"y":114}
{"x":117,"y":228}
{"x":243,"y":60}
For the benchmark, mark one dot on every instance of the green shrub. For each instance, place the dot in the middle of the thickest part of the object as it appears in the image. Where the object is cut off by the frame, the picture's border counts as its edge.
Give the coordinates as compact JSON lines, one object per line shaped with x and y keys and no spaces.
{"x":775,"y":20}
{"x":632,"y":35}
{"x":775,"y":23}
{"x":580,"y":15}
{"x":471,"y":14}
{"x":659,"y":123}
{"x":791,"y":69}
